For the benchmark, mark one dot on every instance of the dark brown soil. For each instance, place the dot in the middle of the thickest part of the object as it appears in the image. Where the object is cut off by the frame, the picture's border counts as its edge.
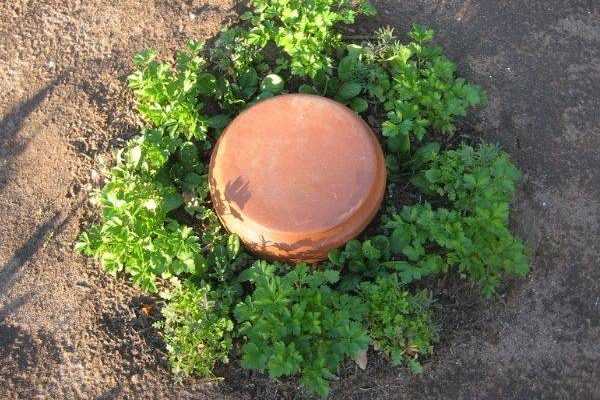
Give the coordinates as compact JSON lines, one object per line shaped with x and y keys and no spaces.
{"x":68,"y":331}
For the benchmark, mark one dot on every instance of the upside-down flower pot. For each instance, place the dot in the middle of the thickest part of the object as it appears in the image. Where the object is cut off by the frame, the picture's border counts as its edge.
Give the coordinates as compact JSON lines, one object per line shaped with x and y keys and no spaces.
{"x":296,"y":176}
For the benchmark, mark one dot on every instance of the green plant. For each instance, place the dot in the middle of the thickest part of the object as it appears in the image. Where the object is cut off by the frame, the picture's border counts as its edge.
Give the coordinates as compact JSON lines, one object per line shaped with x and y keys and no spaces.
{"x":297,"y":323}
{"x":425,"y":93}
{"x":358,"y":261}
{"x":355,"y":81}
{"x":479,"y":183}
{"x":303,"y":29}
{"x":480,"y":245}
{"x":171,"y":96}
{"x":196,"y":329}
{"x":470,"y":178}
{"x":233,"y":52}
{"x":136,"y":234}
{"x":399,"y":323}
{"x":379,"y":256}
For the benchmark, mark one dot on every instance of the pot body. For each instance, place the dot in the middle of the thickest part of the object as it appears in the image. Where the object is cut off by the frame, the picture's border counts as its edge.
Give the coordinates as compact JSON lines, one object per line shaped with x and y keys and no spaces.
{"x":296,"y":176}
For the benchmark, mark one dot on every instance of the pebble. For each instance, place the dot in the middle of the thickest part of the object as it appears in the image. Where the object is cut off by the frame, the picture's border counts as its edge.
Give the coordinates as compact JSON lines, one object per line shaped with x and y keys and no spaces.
{"x":96,"y":178}
{"x":74,"y":189}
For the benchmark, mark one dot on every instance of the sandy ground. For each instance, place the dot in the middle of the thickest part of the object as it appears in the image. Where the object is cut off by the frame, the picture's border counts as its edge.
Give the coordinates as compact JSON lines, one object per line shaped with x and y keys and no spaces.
{"x":67,"y":331}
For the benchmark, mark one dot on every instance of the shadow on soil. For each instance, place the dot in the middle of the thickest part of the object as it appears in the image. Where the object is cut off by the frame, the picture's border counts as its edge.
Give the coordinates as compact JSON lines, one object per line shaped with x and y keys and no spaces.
{"x":130,"y":329}
{"x":19,"y":349}
{"x":53,"y":226}
{"x":10,"y":126}
{"x":110,"y":394}
{"x":14,"y":305}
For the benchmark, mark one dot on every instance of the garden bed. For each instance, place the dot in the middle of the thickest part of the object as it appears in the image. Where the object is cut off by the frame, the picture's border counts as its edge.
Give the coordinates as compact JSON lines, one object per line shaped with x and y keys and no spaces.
{"x":220,"y":301}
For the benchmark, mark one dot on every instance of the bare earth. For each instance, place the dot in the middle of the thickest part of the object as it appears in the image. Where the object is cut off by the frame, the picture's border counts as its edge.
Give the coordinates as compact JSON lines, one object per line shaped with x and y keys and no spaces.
{"x":68,"y":331}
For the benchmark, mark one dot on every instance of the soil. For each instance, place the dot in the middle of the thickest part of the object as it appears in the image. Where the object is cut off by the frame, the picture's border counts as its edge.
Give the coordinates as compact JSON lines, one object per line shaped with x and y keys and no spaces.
{"x":69,"y":331}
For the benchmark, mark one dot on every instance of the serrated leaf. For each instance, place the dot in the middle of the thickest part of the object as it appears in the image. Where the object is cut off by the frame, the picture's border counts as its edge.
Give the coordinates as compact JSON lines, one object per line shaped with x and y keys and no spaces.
{"x":349,"y":90}
{"x":359,"y":105}
{"x":331,"y":276}
{"x":399,"y":144}
{"x":335,"y":257}
{"x":307,"y":89}
{"x":370,"y":251}
{"x":346,"y":68}
{"x":233,"y":245}
{"x":207,"y":83}
{"x":218,"y":121}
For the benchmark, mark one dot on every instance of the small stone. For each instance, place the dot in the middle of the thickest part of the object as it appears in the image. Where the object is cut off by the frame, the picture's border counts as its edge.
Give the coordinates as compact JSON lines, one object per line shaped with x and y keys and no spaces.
{"x":361,"y":359}
{"x":192,"y":16}
{"x":97,"y":179}
{"x":74,"y":189}
{"x":82,"y":284}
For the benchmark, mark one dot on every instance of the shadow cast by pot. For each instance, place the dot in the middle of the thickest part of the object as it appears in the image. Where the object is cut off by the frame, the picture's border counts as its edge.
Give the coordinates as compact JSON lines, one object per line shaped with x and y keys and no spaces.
{"x":312,"y":249}
{"x":236,"y":192}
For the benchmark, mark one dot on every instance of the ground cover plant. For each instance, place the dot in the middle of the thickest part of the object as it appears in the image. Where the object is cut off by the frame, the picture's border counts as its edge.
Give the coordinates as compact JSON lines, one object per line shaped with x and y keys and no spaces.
{"x":157,"y":225}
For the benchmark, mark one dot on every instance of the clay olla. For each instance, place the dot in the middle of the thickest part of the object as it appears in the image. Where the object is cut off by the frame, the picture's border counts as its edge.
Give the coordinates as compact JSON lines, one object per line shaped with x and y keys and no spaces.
{"x":296,"y":176}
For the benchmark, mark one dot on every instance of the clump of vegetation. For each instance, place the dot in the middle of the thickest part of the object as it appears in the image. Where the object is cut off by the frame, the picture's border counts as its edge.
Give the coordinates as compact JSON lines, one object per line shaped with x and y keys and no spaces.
{"x":296,"y":323}
{"x":157,"y":225}
{"x":172,"y":96}
{"x":303,"y":30}
{"x":398,"y":322}
{"x":136,"y":235}
{"x":196,"y":328}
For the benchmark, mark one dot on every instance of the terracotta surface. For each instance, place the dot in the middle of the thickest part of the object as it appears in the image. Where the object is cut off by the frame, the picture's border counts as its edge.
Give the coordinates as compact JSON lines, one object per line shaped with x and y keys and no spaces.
{"x":296,"y":176}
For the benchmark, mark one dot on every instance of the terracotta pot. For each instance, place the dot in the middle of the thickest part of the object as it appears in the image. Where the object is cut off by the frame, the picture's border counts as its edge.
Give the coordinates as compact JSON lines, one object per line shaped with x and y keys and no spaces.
{"x":296,"y":176}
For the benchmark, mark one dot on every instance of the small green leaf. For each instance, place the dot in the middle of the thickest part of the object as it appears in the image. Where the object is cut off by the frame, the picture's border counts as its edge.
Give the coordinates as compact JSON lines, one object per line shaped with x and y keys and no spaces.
{"x":359,"y":105}
{"x":272,"y":83}
{"x":173,"y":202}
{"x":433,"y":175}
{"x":389,"y":129}
{"x":218,"y":121}
{"x":307,"y":89}
{"x":233,"y":245}
{"x":346,"y":68}
{"x":207,"y":84}
{"x":415,"y":366}
{"x":248,"y":78}
{"x":331,"y":276}
{"x":399,"y":144}
{"x":335,"y":257}
{"x":370,"y":251}
{"x":349,"y":90}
